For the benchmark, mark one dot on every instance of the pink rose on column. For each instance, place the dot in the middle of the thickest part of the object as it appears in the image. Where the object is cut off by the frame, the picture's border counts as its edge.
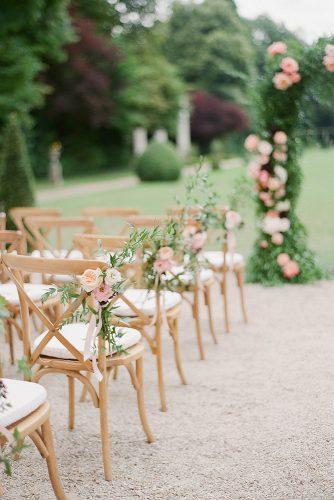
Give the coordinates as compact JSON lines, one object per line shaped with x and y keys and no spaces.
{"x":265,"y":148}
{"x":253,"y":169}
{"x":328,"y":60}
{"x":283,"y":259}
{"x":282,"y":81}
{"x":291,"y":269}
{"x":277,"y":48}
{"x":280,"y":137}
{"x":264,"y":244}
{"x":277,"y":238}
{"x":263,"y":178}
{"x":251,"y":143}
{"x":289,"y":65}
{"x":232,"y":219}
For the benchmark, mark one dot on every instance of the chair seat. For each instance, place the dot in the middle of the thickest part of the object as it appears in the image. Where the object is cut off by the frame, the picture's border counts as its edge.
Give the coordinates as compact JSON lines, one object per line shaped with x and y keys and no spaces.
{"x":35,"y":292}
{"x":24,"y":398}
{"x":145,"y":301}
{"x":76,"y":333}
{"x":187,"y":277}
{"x":216,"y":258}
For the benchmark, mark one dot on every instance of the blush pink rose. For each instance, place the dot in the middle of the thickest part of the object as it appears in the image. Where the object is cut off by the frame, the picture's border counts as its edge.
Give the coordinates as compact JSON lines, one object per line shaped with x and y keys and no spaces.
{"x":277,"y":238}
{"x":233,"y":219}
{"x":264,"y":244}
{"x":295,"y":77}
{"x":280,"y":155}
{"x":283,"y":259}
{"x":102,"y":293}
{"x":253,"y":169}
{"x":291,"y":269}
{"x":162,"y":266}
{"x":251,"y":143}
{"x":272,"y":213}
{"x":264,"y":178}
{"x":280,"y":193}
{"x":282,"y":81}
{"x":189,"y":231}
{"x":263,"y":159}
{"x":277,"y":48}
{"x":165,"y":253}
{"x":265,"y":148}
{"x":274,"y":184}
{"x":329,"y":49}
{"x":280,"y":137}
{"x":289,"y":65}
{"x":329,"y":63}
{"x":198,"y":241}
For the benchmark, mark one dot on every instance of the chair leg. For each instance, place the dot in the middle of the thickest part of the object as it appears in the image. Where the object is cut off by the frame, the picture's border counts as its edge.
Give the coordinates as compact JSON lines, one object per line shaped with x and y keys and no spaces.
{"x":10,"y":338}
{"x":174,"y":332}
{"x":196,"y":317}
{"x":52,"y":461}
{"x":225,"y":302}
{"x":240,"y":280}
{"x":84,"y":390}
{"x":208,"y":303}
{"x":162,"y":391}
{"x":140,"y":400}
{"x":103,"y":399}
{"x":116,"y":373}
{"x":71,"y":402}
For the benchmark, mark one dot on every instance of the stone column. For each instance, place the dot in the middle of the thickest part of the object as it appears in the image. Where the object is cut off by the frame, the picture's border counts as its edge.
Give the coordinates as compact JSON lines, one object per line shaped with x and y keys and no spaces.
{"x":183,"y":136}
{"x":160,"y":135}
{"x":139,"y":140}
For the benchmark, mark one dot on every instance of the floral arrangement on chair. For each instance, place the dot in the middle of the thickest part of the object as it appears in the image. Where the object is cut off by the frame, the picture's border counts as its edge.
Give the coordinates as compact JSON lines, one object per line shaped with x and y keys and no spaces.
{"x":99,"y":289}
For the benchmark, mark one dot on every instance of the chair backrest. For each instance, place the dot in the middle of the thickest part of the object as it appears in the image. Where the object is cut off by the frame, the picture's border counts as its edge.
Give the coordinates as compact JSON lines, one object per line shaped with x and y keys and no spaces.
{"x":88,"y":243}
{"x":10,"y":241}
{"x":144,"y":221}
{"x":2,"y":221}
{"x":113,"y":218}
{"x":19,"y":214}
{"x":179,"y":210}
{"x":16,"y":266}
{"x":42,"y":228}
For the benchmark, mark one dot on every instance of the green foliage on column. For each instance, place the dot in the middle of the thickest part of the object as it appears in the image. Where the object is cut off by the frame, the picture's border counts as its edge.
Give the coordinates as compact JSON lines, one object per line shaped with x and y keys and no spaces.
{"x":16,"y":177}
{"x":280,"y":252}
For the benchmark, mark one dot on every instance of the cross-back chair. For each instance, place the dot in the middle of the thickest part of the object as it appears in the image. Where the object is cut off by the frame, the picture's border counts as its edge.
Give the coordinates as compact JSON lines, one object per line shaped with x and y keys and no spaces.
{"x":29,"y":414}
{"x":18,"y":216}
{"x":115,"y":217}
{"x":13,"y":241}
{"x":60,"y":349}
{"x":144,"y":309}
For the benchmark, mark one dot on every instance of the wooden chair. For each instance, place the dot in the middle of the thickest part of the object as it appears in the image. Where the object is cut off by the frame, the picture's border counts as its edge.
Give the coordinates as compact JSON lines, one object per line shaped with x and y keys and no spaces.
{"x":19,"y":214}
{"x":203,"y":281}
{"x":13,"y":241}
{"x":141,"y":221}
{"x":60,"y":348}
{"x":29,"y":414}
{"x":144,"y":309}
{"x":2,"y":221}
{"x":114,"y":215}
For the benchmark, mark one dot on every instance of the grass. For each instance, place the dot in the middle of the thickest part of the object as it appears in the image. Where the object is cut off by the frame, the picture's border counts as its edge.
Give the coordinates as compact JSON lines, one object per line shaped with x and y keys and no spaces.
{"x":71,"y":181}
{"x":315,"y":208}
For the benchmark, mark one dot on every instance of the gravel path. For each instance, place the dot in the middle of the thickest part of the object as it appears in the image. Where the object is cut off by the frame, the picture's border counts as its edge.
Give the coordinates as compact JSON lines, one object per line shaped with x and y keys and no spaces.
{"x":255,"y":421}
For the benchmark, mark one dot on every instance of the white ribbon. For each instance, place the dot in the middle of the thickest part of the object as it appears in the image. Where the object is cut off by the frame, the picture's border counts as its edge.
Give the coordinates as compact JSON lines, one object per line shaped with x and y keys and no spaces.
{"x":8,"y":435}
{"x":92,"y":332}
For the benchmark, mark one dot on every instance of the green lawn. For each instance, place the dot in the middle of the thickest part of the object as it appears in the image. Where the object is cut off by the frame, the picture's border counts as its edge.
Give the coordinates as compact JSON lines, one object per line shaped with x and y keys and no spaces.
{"x":316,"y":206}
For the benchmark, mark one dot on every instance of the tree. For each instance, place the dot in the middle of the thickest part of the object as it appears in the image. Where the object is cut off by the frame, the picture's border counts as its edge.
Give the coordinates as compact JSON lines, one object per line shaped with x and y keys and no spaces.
{"x":32,"y":34}
{"x":211,"y":47}
{"x":212,"y":117}
{"x":16,"y":177}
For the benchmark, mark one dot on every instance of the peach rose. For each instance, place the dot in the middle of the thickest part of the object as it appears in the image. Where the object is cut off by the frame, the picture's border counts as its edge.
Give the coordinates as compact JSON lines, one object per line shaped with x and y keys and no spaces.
{"x":274,"y":184}
{"x":282,"y":259}
{"x":272,"y":213}
{"x":264,"y":178}
{"x":280,"y":137}
{"x":113,"y":276}
{"x":280,"y":193}
{"x":198,"y":241}
{"x":251,"y":143}
{"x":277,"y":48}
{"x":265,"y":148}
{"x":277,"y":238}
{"x":295,"y":77}
{"x":233,"y":219}
{"x":102,"y":293}
{"x":263,"y":159}
{"x":329,"y":63}
{"x":291,"y":269}
{"x":289,"y":65}
{"x":253,"y":169}
{"x":264,"y":244}
{"x":280,"y":155}
{"x":282,"y":81}
{"x":165,"y":253}
{"x":91,"y":279}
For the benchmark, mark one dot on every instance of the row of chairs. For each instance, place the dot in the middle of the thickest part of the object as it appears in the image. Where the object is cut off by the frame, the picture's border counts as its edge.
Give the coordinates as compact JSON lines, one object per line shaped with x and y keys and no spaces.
{"x":59,"y":349}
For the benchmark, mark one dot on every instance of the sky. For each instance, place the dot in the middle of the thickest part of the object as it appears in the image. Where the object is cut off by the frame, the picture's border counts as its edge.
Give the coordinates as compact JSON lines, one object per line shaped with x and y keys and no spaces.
{"x":310,"y":19}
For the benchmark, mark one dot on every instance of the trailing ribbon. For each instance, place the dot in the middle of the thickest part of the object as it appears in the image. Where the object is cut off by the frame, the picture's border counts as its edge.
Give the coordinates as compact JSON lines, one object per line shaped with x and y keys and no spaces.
{"x":8,"y":435}
{"x":92,"y":332}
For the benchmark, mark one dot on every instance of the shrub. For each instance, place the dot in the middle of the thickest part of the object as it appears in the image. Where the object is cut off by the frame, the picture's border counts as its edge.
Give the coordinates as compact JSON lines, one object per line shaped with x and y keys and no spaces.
{"x":16,"y":176}
{"x":159,"y":163}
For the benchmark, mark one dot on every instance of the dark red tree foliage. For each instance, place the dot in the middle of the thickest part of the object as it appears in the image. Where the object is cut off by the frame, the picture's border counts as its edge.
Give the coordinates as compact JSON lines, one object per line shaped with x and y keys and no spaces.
{"x":213,"y":117}
{"x":83,"y":86}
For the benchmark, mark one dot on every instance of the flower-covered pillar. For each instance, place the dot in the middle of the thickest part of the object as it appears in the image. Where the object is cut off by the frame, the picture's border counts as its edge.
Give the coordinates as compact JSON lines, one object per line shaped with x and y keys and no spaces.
{"x":280,"y":253}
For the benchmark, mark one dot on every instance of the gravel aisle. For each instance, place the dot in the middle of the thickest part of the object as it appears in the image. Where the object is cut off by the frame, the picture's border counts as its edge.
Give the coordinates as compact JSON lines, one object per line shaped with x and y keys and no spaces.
{"x":255,"y":422}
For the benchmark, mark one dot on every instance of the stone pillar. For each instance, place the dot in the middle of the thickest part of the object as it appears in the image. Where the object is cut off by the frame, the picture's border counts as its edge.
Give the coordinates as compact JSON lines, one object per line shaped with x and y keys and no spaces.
{"x":183,"y":136}
{"x":160,"y":135}
{"x":139,"y":140}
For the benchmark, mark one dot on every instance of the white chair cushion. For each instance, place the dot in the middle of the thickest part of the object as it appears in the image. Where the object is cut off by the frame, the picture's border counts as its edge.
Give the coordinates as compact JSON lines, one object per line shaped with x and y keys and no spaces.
{"x":145,"y":301}
{"x":76,"y":333}
{"x":35,"y":292}
{"x":24,"y":398}
{"x":216,"y":258}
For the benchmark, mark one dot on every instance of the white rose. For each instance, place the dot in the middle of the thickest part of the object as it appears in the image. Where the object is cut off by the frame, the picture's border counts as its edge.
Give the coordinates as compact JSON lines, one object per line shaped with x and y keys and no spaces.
{"x":265,"y":148}
{"x":283,"y":206}
{"x":281,"y":173}
{"x":271,"y":225}
{"x":233,"y":219}
{"x":274,"y":183}
{"x":113,"y":276}
{"x":91,"y":279}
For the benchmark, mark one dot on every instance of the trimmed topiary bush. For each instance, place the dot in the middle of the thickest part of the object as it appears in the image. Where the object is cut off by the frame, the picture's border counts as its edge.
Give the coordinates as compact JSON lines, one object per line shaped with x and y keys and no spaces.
{"x":16,"y":176}
{"x":159,"y":162}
